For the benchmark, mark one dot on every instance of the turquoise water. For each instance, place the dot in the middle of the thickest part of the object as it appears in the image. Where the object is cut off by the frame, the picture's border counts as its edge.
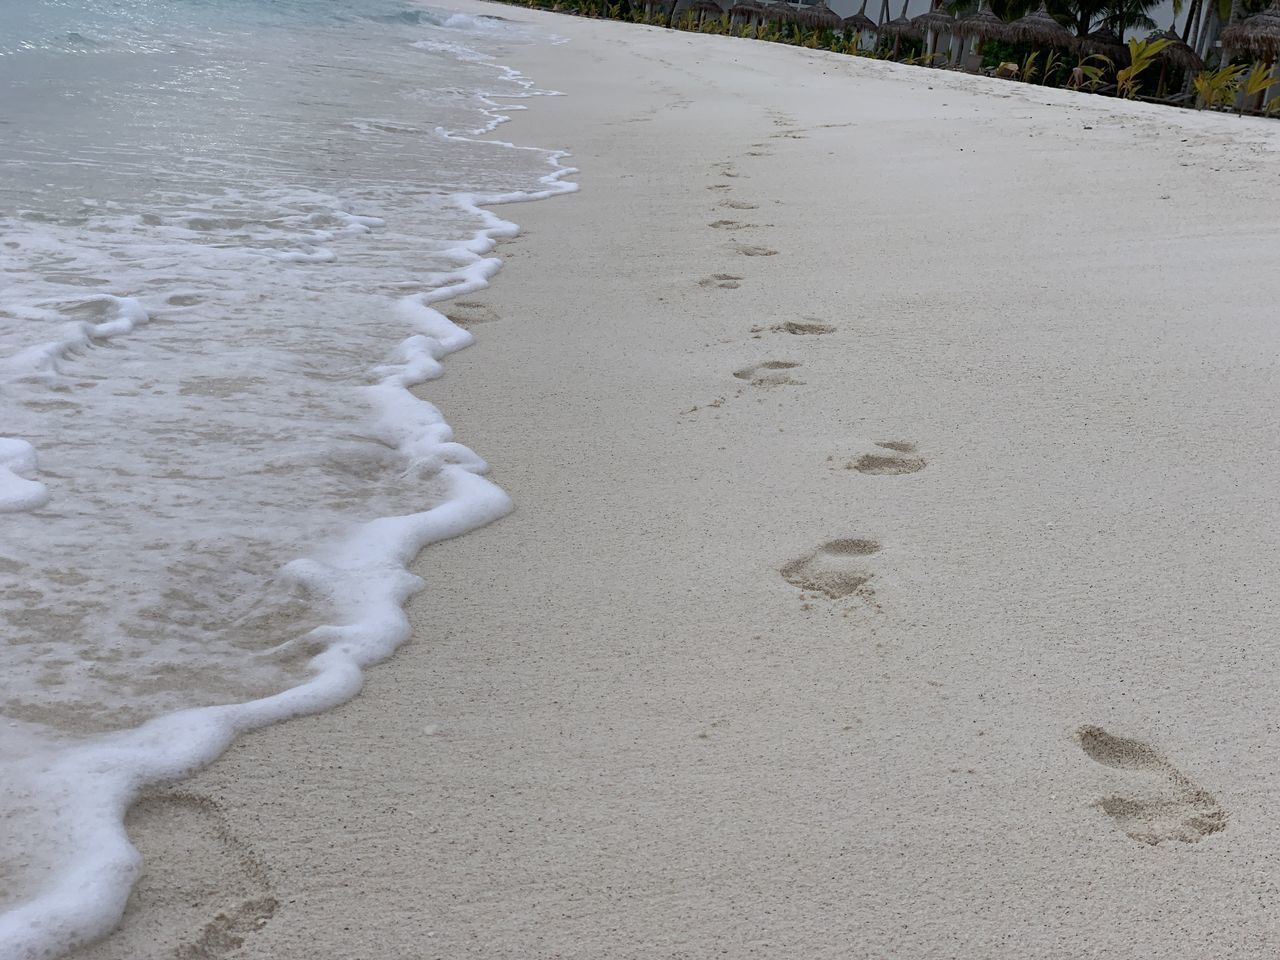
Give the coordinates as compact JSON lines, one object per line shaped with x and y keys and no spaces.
{"x":222,"y":225}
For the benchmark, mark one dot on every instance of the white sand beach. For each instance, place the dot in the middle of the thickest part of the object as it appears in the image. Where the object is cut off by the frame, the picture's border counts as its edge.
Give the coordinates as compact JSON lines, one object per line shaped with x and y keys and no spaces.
{"x":897,"y":484}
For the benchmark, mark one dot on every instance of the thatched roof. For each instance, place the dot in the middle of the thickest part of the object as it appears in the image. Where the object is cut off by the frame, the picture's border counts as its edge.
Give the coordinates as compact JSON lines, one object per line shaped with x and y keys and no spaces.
{"x":860,"y":22}
{"x":899,"y":27}
{"x":1259,"y":33}
{"x":747,"y":8}
{"x":1104,"y":41}
{"x":1177,"y":53}
{"x":709,"y":7}
{"x":780,"y":12}
{"x":1040,"y":29}
{"x":936,"y":20}
{"x":983,"y":24}
{"x":819,"y":17}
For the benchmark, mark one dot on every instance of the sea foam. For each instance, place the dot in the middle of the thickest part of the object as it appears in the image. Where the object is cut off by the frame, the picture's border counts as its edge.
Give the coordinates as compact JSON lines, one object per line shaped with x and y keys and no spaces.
{"x":216,"y":472}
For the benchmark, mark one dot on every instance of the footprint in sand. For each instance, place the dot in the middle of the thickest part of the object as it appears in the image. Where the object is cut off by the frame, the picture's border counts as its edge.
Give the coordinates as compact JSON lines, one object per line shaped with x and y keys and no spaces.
{"x":898,"y":459}
{"x":770,"y":373}
{"x":740,"y":205}
{"x":834,"y":569}
{"x":725,"y":225}
{"x":750,"y":250}
{"x":467,"y":313}
{"x":1157,"y":802}
{"x":725,"y":281}
{"x":805,"y":328}
{"x":204,"y":892}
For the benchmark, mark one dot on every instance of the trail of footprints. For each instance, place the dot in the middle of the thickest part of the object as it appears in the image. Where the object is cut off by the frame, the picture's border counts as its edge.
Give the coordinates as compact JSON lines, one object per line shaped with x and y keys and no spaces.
{"x":1153,"y":802}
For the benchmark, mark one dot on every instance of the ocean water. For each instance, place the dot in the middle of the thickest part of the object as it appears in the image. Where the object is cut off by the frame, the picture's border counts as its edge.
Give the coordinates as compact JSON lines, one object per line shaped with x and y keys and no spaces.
{"x":223,"y":224}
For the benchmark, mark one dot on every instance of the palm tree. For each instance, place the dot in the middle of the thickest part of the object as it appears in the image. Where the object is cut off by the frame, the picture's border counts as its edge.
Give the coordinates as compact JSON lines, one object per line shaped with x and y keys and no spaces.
{"x":1122,"y":15}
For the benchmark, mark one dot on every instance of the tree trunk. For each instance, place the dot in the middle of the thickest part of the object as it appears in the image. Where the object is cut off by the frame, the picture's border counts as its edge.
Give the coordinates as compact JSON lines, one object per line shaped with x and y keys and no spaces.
{"x":1237,"y":7}
{"x":1193,"y":17}
{"x":1202,"y":42}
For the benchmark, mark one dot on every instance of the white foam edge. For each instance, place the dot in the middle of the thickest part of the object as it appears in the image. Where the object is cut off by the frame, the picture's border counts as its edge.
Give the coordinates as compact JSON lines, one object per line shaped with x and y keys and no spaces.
{"x":41,"y":360}
{"x":89,"y":788}
{"x":18,"y":491}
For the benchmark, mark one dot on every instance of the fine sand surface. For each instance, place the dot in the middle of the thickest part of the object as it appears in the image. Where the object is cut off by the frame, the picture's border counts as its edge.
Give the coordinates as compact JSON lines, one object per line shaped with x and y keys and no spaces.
{"x":893,"y":571}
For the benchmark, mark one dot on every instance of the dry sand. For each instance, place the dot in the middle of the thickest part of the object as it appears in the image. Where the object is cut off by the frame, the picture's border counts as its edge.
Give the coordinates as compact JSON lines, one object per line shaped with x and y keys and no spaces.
{"x":713,"y":690}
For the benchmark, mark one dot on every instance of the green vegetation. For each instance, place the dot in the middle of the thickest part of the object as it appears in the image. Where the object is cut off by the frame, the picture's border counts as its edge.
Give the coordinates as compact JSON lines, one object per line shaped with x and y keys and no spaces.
{"x":1218,"y":88}
{"x":1229,"y":86}
{"x":1142,"y":54}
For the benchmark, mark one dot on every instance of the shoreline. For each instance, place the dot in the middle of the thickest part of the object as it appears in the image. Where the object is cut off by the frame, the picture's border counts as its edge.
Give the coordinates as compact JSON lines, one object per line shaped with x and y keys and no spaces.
{"x":712,"y":687}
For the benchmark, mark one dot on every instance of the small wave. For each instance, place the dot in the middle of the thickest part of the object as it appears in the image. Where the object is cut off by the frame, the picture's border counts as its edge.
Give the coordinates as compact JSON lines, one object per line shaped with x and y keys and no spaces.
{"x":223,"y":394}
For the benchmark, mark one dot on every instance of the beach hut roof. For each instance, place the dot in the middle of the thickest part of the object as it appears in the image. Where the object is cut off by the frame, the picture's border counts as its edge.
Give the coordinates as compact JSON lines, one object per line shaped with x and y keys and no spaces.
{"x":747,"y":7}
{"x":984,"y":23}
{"x":780,"y":12}
{"x":1104,"y":41}
{"x":705,"y":6}
{"x":860,"y":22}
{"x":819,"y":16}
{"x":1259,"y":33}
{"x":1039,"y":28}
{"x":899,"y":27}
{"x":1177,"y":53}
{"x":935,"y":20}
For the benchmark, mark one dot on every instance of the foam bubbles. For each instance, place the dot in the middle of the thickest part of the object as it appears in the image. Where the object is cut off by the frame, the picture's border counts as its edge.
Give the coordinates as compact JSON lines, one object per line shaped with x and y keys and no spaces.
{"x":18,"y":488}
{"x":218,"y":469}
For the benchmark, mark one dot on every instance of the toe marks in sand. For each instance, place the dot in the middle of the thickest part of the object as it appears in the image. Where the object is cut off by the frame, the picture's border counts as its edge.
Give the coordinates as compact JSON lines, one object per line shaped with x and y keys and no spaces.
{"x":725,"y":281}
{"x":770,"y":373}
{"x":803,"y":328}
{"x":754,"y":250}
{"x":1158,"y":802}
{"x":796,"y":328}
{"x":834,"y":570}
{"x":898,"y":458}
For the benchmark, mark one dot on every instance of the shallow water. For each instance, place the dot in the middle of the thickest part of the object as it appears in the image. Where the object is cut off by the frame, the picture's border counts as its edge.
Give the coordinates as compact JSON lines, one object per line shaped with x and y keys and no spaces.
{"x":221,"y":227}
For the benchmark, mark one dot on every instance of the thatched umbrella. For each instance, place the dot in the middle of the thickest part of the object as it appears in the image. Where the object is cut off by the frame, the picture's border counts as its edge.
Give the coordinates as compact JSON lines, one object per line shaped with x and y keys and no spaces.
{"x":749,"y":10}
{"x":983,"y":25}
{"x":819,"y":17}
{"x":1177,"y":53}
{"x":860,"y":22}
{"x":705,"y":9}
{"x":931,"y":24}
{"x":1104,"y":41}
{"x":899,"y":26}
{"x":1039,"y":29}
{"x":936,"y":20}
{"x":1259,"y":33}
{"x":780,"y":12}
